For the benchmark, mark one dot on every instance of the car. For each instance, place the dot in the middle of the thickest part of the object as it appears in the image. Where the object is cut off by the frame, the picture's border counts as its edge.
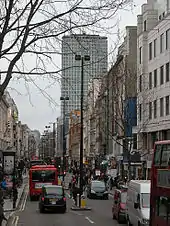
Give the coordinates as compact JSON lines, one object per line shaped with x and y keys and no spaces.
{"x":52,"y":198}
{"x":119,"y":205}
{"x":97,"y":189}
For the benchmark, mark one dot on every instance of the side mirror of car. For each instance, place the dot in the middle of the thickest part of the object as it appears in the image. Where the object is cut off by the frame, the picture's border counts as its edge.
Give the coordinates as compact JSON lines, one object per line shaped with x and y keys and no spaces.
{"x":136,"y":205}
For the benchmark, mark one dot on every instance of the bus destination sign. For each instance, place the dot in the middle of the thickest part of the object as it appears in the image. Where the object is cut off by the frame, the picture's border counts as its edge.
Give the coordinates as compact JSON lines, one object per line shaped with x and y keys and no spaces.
{"x":163,"y":178}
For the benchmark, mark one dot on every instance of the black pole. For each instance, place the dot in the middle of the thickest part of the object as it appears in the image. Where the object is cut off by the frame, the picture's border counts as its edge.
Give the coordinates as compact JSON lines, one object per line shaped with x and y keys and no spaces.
{"x":14,"y":185}
{"x":64,"y":139}
{"x":81,"y":130}
{"x":53,"y":139}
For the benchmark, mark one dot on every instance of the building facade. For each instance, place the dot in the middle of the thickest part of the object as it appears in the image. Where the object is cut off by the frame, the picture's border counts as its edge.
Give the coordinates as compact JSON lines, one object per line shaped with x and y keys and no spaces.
{"x":153,"y":78}
{"x":94,"y":46}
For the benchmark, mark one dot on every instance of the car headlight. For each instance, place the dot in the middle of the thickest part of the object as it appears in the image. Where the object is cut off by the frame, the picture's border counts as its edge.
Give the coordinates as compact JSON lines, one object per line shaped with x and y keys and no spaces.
{"x":106,"y":192}
{"x":93,"y":192}
{"x":145,"y":221}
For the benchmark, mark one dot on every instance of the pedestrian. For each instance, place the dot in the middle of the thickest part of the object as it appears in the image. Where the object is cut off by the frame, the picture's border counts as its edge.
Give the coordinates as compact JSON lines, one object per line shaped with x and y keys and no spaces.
{"x":15,"y":196}
{"x":2,"y":216}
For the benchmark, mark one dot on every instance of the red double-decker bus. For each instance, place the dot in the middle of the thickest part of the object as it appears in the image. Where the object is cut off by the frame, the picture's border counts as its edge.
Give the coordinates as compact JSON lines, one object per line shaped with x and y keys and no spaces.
{"x":160,"y":185}
{"x":39,"y":176}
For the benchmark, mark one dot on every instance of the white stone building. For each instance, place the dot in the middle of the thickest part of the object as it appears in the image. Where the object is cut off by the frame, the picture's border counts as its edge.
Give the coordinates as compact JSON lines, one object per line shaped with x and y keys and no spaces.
{"x":153,"y":46}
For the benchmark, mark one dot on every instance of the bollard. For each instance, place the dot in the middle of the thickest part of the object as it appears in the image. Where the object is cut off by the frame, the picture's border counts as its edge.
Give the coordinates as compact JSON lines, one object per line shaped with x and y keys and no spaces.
{"x":78,"y":199}
{"x":83,"y":201}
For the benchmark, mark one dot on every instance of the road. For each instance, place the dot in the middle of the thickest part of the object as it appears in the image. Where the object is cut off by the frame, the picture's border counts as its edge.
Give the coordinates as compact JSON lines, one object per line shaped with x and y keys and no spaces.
{"x":100,"y":215}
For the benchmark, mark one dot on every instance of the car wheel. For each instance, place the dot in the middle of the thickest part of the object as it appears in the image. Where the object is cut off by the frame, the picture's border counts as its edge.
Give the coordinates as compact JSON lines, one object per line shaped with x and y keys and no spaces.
{"x":41,"y":209}
{"x":118,"y":219}
{"x":64,"y":209}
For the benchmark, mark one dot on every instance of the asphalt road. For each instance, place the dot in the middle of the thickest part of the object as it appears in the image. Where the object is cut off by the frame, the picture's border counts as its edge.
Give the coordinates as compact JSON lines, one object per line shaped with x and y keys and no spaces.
{"x":100,"y":215}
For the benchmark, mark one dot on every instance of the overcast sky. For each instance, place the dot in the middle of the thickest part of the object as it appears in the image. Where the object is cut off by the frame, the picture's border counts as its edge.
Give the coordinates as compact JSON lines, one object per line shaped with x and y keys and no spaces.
{"x":34,"y":108}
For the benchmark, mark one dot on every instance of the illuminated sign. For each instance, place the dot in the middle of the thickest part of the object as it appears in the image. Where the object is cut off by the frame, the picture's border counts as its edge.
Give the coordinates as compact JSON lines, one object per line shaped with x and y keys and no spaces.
{"x":163,"y":178}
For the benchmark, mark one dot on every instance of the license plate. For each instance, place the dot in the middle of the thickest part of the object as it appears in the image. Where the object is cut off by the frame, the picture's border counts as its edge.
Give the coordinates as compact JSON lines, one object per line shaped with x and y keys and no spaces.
{"x":53,"y":201}
{"x":100,"y":194}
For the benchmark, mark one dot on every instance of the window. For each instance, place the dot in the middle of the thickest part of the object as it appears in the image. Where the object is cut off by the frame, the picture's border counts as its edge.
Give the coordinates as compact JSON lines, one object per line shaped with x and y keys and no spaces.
{"x":150,"y":51}
{"x":144,"y":25}
{"x":162,"y":208}
{"x":161,"y":75}
{"x":155,"y":108}
{"x":150,"y":110}
{"x":167,"y":72}
{"x":161,"y":107}
{"x":145,"y":198}
{"x":157,"y":155}
{"x":140,"y":112}
{"x":167,"y":105}
{"x":140,"y":55}
{"x":165,"y":155}
{"x":44,"y":175}
{"x":161,"y":43}
{"x":167,"y":38}
{"x":155,"y":77}
{"x":154,"y":47}
{"x":150,"y":80}
{"x":134,"y":141}
{"x":140,"y":83}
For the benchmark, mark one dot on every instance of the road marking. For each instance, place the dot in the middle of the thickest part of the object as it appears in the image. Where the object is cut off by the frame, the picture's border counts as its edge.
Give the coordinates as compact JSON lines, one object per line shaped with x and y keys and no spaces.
{"x":15,"y":221}
{"x":76,"y":213}
{"x":24,"y":201}
{"x":89,"y":220}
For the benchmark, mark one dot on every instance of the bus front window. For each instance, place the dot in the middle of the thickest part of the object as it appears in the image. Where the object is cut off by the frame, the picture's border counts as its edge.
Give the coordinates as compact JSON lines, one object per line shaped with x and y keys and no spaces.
{"x":43,"y":176}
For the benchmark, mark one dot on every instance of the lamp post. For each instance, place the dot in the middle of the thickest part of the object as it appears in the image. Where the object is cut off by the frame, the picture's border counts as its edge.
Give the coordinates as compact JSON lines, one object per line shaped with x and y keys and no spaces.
{"x":9,"y":168}
{"x":64,"y":99}
{"x":82,"y":59}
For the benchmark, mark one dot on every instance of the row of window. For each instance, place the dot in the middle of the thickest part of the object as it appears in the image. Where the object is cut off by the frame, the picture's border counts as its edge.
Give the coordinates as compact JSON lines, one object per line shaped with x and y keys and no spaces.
{"x":153,"y":106}
{"x":164,"y":76}
{"x":164,"y":73}
{"x":164,"y":44}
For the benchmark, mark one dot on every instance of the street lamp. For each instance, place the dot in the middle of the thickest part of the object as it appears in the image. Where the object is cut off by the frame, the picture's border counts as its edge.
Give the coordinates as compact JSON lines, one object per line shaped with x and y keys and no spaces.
{"x":64,"y":99}
{"x":82,"y":59}
{"x":8,"y":166}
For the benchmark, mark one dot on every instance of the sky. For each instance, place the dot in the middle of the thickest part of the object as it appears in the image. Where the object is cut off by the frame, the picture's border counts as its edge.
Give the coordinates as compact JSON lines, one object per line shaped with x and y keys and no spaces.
{"x":37,"y":108}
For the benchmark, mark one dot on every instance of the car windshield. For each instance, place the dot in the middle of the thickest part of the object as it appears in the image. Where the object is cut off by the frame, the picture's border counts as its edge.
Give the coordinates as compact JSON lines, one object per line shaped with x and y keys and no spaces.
{"x":123,"y":197}
{"x":145,"y":200}
{"x":43,"y":175}
{"x":98,"y":185}
{"x":54,"y":190}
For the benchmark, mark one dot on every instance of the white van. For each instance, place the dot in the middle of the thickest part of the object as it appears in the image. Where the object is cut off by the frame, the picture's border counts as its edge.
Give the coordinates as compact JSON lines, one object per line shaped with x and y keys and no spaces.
{"x":138,"y":202}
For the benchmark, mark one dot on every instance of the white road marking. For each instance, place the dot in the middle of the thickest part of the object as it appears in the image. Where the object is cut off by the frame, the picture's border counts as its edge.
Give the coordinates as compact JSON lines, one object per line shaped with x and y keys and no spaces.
{"x":76,"y":213}
{"x":87,"y":218}
{"x":15,"y":221}
{"x":24,"y":201}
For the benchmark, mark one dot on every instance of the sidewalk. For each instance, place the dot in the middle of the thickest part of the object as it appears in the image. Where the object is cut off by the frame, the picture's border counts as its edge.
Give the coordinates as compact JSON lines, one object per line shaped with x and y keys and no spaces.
{"x":8,"y":205}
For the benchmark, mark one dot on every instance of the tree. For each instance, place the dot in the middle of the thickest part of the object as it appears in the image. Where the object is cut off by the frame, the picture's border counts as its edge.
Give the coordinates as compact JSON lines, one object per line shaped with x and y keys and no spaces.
{"x":32,"y":29}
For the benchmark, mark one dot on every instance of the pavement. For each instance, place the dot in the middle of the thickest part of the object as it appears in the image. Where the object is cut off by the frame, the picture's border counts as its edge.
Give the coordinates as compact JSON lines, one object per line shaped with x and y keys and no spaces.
{"x":8,"y":203}
{"x":100,"y":215}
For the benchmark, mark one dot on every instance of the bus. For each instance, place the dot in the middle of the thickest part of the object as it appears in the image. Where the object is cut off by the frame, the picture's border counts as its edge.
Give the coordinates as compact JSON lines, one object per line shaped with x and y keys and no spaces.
{"x":160,"y":185}
{"x":37,"y":162}
{"x":39,"y":176}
